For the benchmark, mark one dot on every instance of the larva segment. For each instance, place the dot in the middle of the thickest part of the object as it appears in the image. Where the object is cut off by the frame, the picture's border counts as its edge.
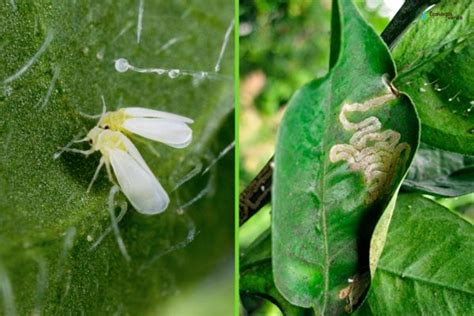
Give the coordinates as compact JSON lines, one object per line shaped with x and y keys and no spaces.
{"x":374,"y":152}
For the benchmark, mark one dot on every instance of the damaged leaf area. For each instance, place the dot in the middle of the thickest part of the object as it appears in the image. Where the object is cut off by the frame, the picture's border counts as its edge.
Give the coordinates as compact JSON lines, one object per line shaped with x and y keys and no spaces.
{"x":343,"y":148}
{"x":60,"y":252}
{"x":374,"y":152}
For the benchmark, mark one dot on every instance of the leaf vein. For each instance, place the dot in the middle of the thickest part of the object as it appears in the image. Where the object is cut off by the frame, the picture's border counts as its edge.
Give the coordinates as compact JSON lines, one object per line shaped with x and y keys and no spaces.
{"x":422,"y":280}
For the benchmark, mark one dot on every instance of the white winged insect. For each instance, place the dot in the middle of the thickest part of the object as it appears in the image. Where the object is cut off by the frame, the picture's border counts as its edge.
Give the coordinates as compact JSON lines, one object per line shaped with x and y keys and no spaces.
{"x":135,"y":178}
{"x":168,"y":128}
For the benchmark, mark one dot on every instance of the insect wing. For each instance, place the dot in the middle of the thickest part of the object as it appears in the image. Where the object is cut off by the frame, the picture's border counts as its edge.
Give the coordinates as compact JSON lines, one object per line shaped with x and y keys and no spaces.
{"x":173,"y":133}
{"x":138,"y":183}
{"x":142,"y":112}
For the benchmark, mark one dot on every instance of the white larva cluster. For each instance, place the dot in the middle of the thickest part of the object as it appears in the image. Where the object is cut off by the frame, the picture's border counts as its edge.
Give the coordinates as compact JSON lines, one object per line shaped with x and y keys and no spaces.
{"x":133,"y":175}
{"x":374,"y":152}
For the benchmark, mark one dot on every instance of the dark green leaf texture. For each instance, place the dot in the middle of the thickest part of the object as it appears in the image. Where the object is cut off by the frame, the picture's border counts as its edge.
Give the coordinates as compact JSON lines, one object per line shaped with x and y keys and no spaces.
{"x":48,"y":222}
{"x":324,"y":208}
{"x":439,"y":172}
{"x":436,"y":64}
{"x":256,"y":278}
{"x":426,"y":266}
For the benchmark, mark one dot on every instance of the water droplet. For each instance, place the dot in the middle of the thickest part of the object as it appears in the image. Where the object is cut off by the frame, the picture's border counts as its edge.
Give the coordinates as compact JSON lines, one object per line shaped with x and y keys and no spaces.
{"x":89,"y":238}
{"x":198,"y":77}
{"x":422,"y":90}
{"x":173,"y":73}
{"x":121,"y":65}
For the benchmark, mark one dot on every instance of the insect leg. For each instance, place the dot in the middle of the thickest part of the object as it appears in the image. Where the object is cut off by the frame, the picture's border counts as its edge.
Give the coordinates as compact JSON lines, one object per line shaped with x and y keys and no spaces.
{"x":109,"y":173}
{"x":90,"y":116}
{"x":78,"y":151}
{"x":96,"y":174}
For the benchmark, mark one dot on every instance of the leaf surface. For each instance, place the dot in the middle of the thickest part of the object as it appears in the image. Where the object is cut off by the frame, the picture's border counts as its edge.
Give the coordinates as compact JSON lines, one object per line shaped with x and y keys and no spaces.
{"x":436,"y":62}
{"x":337,"y":167}
{"x":256,"y":278}
{"x":57,"y":60}
{"x":423,"y":269}
{"x":439,"y":172}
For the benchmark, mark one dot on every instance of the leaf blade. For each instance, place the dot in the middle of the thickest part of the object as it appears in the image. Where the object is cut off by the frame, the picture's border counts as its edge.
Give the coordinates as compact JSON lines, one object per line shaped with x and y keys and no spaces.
{"x":319,"y":205}
{"x":435,"y":61}
{"x":422,"y":269}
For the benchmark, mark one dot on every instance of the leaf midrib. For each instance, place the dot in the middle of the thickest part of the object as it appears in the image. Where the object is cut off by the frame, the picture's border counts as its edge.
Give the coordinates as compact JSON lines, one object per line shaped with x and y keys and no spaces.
{"x":323,"y":208}
{"x":422,"y":280}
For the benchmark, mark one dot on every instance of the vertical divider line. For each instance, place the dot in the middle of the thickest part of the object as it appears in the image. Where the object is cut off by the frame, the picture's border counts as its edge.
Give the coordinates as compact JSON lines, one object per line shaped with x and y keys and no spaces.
{"x":236,"y":155}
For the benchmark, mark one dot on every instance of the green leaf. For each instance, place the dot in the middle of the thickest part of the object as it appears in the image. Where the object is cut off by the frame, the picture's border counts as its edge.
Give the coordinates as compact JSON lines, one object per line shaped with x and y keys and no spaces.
{"x":462,"y":204}
{"x":259,"y":250}
{"x":324,"y":209}
{"x":424,"y":268}
{"x":438,"y":172}
{"x":435,"y":61}
{"x":256,"y":278}
{"x":57,"y":60}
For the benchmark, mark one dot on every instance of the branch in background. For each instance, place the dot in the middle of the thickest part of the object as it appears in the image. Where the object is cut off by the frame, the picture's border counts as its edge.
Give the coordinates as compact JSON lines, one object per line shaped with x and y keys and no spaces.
{"x":258,"y":193}
{"x":407,"y":13}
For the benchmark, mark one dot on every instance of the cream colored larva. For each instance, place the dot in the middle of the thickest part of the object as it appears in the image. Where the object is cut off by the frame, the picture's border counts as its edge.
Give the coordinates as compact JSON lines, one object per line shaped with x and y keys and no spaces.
{"x":371,"y":150}
{"x":135,"y":178}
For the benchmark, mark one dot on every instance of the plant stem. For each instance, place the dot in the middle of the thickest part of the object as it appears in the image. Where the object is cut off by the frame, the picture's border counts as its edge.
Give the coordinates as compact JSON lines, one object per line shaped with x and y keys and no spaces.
{"x":256,"y":194}
{"x":407,"y":13}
